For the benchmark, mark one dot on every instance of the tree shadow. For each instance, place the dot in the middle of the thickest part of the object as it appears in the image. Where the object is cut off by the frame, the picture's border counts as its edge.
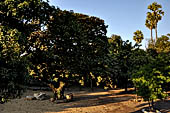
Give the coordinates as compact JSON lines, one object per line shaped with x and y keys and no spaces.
{"x":162,"y":105}
{"x":89,"y":99}
{"x":131,"y":91}
{"x":82,"y":100}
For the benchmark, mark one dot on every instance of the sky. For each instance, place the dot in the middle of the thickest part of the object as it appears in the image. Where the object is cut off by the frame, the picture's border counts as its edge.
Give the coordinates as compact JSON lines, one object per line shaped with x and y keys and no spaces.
{"x":123,"y":17}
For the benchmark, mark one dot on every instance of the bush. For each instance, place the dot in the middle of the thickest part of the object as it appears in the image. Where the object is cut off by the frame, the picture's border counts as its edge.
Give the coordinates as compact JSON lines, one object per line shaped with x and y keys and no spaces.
{"x":151,"y":80}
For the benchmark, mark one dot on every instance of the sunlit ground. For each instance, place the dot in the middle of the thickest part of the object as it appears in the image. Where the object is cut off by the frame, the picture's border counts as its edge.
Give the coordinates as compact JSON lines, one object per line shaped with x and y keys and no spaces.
{"x":86,"y":101}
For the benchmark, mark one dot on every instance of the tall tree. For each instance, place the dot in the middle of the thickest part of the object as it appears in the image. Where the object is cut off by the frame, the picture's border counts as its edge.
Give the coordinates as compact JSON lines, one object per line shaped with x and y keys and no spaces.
{"x":115,"y":42}
{"x":155,"y":16}
{"x":149,"y":23}
{"x":121,"y":52}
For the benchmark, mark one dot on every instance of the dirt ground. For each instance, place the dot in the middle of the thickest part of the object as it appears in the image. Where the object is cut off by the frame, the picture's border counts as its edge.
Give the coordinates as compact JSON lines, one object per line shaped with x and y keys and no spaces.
{"x":85,"y":101}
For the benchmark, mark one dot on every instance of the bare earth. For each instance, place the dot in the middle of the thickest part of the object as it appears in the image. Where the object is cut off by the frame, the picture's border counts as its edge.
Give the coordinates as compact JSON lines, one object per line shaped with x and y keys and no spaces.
{"x":99,"y":101}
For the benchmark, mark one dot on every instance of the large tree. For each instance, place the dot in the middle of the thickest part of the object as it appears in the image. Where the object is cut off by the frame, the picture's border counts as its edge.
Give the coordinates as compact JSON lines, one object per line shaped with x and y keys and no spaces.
{"x":154,"y":17}
{"x":72,"y":45}
{"x":12,"y":67}
{"x":18,"y":19}
{"x":58,"y":44}
{"x":121,"y":52}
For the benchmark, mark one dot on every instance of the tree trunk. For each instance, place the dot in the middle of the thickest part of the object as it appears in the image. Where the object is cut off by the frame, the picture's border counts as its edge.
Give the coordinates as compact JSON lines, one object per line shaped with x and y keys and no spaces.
{"x":80,"y":88}
{"x":156,"y":32}
{"x":152,"y":104}
{"x":149,"y":104}
{"x":126,"y":85}
{"x":58,"y":92}
{"x":91,"y":84}
{"x":151,"y":36}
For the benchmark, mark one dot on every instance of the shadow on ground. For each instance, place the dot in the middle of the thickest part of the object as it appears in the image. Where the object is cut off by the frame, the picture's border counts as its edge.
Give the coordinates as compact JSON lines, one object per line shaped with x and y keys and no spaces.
{"x":84,"y":99}
{"x":163,"y":106}
{"x":102,"y":101}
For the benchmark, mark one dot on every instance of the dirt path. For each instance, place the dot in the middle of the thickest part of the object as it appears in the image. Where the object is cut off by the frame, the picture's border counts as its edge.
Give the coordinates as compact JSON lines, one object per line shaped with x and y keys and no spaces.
{"x":99,"y":101}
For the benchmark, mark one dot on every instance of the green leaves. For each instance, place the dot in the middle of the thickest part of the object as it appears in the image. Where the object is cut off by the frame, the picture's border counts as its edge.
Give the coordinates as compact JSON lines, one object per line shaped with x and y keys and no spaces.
{"x":15,"y":26}
{"x":9,"y":42}
{"x":151,"y":79}
{"x":154,"y":6}
{"x":71,"y":43}
{"x":153,"y":17}
{"x":138,"y":36}
{"x":163,"y":44}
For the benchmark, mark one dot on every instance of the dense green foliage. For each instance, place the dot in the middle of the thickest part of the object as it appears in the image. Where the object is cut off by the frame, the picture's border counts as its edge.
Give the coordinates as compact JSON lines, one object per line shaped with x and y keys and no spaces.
{"x":152,"y":79}
{"x":59,"y":46}
{"x":12,"y":67}
{"x":163,"y":44}
{"x":16,"y":24}
{"x":72,"y":46}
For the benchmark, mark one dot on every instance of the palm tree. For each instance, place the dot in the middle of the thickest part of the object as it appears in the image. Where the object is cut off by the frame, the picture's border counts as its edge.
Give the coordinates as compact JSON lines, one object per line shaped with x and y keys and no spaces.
{"x":155,"y":15}
{"x":138,"y":36}
{"x":150,"y":23}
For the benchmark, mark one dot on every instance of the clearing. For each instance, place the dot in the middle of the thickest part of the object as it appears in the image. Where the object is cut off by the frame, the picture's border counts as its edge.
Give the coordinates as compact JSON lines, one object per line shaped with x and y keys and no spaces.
{"x":86,"y":101}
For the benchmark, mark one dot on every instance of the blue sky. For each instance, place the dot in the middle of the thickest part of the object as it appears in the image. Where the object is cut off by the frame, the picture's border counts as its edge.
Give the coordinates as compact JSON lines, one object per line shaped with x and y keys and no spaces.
{"x":123,"y":17}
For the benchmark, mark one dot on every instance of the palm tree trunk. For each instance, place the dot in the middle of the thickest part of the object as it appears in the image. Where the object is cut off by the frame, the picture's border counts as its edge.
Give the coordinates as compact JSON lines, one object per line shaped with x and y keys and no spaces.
{"x":156,"y":32}
{"x":151,"y":36}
